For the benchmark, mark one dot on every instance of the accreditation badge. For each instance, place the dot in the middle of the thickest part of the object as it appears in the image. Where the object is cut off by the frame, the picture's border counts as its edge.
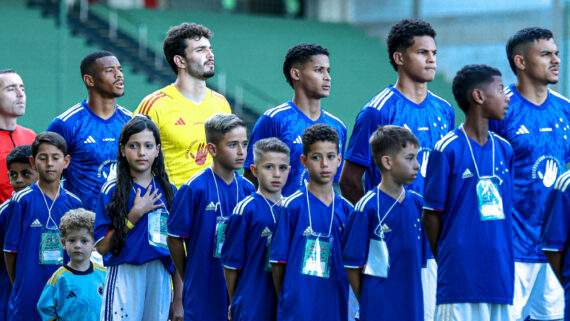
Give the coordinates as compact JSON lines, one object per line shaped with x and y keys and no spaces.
{"x":51,"y":249}
{"x":157,"y":229}
{"x":317,"y":255}
{"x":378,"y":261}
{"x":490,"y":200}
{"x":220,"y":235}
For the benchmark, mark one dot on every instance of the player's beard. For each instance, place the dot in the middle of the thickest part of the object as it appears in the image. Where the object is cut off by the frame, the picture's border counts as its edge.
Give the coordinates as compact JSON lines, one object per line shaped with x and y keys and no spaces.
{"x":200,"y":74}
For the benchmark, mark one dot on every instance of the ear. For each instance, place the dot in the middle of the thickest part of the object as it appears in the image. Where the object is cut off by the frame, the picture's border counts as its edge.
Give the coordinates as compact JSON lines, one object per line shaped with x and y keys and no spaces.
{"x":33,"y":162}
{"x":88,"y":80}
{"x":157,"y":150}
{"x":295,"y":73}
{"x":519,"y":62}
{"x":67,"y":159}
{"x":62,"y":240}
{"x":398,"y":58}
{"x":211,"y":149}
{"x":478,"y":96}
{"x":179,"y":61}
{"x":386,"y":162}
{"x":122,"y":149}
{"x":253,"y":169}
{"x":303,"y":160}
{"x":339,"y":156}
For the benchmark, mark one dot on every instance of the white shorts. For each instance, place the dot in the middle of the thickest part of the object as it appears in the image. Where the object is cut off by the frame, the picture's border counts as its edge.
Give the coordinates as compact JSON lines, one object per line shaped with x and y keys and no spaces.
{"x":538,"y":292}
{"x":136,"y":292}
{"x":429,"y":287}
{"x":473,"y":312}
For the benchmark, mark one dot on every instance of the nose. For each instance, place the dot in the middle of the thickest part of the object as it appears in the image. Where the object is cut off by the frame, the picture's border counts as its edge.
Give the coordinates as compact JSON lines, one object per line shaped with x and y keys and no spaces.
{"x":210,"y":54}
{"x":327,"y":75}
{"x":20,"y":92}
{"x":119,"y":74}
{"x":416,"y":164}
{"x":556,"y":59}
{"x":276,"y":172}
{"x":240,"y":149}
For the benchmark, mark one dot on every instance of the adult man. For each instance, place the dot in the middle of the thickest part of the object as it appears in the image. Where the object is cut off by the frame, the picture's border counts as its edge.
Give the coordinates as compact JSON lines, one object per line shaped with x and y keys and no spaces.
{"x":12,"y":106}
{"x":307,"y":70}
{"x":412,"y":50}
{"x":180,"y":109}
{"x":537,"y":126}
{"x":92,"y":127}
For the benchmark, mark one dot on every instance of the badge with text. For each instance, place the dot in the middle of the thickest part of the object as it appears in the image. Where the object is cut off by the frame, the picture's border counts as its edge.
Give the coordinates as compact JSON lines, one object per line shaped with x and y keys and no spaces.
{"x":51,"y":249}
{"x":317,"y":255}
{"x":157,"y":228}
{"x":220,"y":235}
{"x":490,"y":201}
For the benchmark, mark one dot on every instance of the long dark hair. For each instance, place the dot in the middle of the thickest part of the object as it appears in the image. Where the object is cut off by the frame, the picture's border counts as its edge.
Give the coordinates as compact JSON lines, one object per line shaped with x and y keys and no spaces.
{"x":117,"y":207}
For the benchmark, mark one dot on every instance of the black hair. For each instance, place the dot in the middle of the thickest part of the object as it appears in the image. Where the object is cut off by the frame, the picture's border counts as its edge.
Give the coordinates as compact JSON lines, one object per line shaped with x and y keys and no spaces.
{"x":469,"y":78}
{"x":300,"y":54}
{"x":175,"y":42}
{"x":402,"y":34}
{"x":515,"y":45}
{"x":117,"y":207}
{"x":88,"y":61}
{"x":319,"y":133}
{"x":217,"y":126}
{"x":389,"y":140}
{"x":20,"y":154}
{"x":50,"y":138}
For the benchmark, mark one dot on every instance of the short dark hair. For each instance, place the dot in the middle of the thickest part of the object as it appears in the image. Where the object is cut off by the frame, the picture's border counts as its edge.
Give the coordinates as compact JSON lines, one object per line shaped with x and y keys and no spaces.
{"x":517,"y":43}
{"x":389,"y":140}
{"x":300,"y":54}
{"x":218,"y":125}
{"x":267,"y":145}
{"x":175,"y":41}
{"x":20,"y":154}
{"x":402,"y":34}
{"x":7,"y":71}
{"x":50,"y":138}
{"x":319,"y":133}
{"x":469,"y":78}
{"x":88,"y":61}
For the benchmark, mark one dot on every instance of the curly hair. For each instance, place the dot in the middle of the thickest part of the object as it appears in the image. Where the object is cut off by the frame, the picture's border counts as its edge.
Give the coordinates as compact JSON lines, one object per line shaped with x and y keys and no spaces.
{"x":319,"y":133}
{"x":402,"y":34}
{"x":300,"y":54}
{"x":75,"y":220}
{"x":175,"y":42}
{"x":521,"y":38}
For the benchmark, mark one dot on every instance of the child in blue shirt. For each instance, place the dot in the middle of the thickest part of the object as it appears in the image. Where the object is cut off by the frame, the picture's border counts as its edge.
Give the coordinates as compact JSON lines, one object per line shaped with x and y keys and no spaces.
{"x":245,"y":254}
{"x":468,"y":200}
{"x":383,"y":243}
{"x":306,"y":256}
{"x":130,"y":230}
{"x":198,"y":221}
{"x":32,"y":245}
{"x":75,"y":290}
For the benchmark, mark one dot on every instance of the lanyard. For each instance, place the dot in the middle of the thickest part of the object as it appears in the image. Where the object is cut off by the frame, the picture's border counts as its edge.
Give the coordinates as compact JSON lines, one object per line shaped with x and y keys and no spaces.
{"x":270,"y":206}
{"x":218,"y":192}
{"x":471,"y":151}
{"x":309,"y":209}
{"x":380,"y":221}
{"x":50,"y":207}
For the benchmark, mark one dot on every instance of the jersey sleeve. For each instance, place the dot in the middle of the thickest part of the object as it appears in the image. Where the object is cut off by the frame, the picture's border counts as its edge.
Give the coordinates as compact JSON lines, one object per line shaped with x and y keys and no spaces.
{"x":282,"y":236}
{"x":233,"y":250}
{"x":358,"y":150}
{"x":47,"y":304}
{"x":187,"y":199}
{"x":264,"y":127}
{"x":102,"y":220}
{"x":556,"y":224}
{"x":58,"y":126}
{"x":436,"y":181}
{"x":355,"y":247}
{"x":15,"y":215}
{"x":146,"y":108}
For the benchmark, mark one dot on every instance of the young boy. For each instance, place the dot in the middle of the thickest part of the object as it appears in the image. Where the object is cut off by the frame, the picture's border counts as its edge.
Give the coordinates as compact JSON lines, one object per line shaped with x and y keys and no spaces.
{"x":307,"y":70}
{"x":21,"y":174}
{"x":467,"y":209}
{"x":75,"y":290}
{"x":199,"y":215}
{"x":245,"y":254}
{"x":32,"y":246}
{"x":306,"y":257}
{"x":388,"y":216}
{"x":556,"y":233}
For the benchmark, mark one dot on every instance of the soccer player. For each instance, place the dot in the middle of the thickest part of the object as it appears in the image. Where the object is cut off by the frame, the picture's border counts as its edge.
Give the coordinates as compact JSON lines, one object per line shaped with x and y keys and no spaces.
{"x":307,"y":70}
{"x":180,"y":109}
{"x":556,"y":233}
{"x":199,"y":215}
{"x":75,"y":290}
{"x":91,"y":128}
{"x":537,"y":126}
{"x":412,"y":52}
{"x":306,"y":256}
{"x":467,"y":209}
{"x":388,"y":282}
{"x":245,"y":254}
{"x":32,"y":246}
{"x":12,"y":106}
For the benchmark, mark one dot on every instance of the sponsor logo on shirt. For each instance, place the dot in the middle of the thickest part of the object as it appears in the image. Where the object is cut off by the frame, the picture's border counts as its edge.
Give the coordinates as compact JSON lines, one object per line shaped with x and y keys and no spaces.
{"x":423,"y":129}
{"x":36,"y":223}
{"x":108,"y":139}
{"x":180,"y":122}
{"x":89,"y":140}
{"x":522,"y":130}
{"x":546,"y":129}
{"x":467,"y":174}
{"x":211,"y":207}
{"x":266,"y":232}
{"x":298,"y":140}
{"x":201,"y":152}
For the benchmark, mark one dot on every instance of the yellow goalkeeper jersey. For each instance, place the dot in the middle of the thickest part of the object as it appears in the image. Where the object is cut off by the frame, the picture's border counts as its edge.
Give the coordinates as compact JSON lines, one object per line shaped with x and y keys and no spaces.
{"x":181,"y":126}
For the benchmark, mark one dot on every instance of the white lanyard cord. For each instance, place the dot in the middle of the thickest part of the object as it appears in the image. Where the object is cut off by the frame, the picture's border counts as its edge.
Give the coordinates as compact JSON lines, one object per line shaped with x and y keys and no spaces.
{"x":270,"y":206}
{"x":50,"y":207}
{"x":309,"y":209}
{"x":380,"y":221}
{"x":473,"y":156}
{"x":218,"y":192}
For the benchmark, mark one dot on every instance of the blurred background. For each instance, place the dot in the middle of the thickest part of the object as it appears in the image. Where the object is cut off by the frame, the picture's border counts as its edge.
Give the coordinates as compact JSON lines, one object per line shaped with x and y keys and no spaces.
{"x":45,"y":40}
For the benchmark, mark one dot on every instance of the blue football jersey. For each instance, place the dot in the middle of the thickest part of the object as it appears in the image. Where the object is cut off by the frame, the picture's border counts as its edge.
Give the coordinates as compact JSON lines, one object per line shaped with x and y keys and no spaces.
{"x":430,"y":120}
{"x":5,"y":284}
{"x":328,"y":296}
{"x":246,"y":248}
{"x":92,"y":143}
{"x":556,"y":230}
{"x":403,"y":237}
{"x":288,"y":123}
{"x":28,"y":219}
{"x":539,"y":136}
{"x":195,"y":213}
{"x":475,"y":252}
